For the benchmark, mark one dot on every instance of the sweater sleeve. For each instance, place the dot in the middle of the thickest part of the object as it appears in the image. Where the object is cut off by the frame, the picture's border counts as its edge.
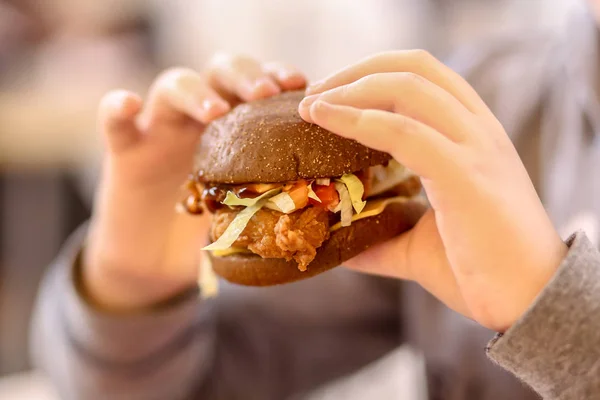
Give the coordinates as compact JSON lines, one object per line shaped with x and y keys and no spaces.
{"x":555,"y":346}
{"x":90,"y":354}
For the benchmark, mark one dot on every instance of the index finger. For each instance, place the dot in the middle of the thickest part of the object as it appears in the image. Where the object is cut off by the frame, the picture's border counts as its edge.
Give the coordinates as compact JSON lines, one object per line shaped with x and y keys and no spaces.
{"x":179,"y":94}
{"x":240,"y":77}
{"x":417,"y":62}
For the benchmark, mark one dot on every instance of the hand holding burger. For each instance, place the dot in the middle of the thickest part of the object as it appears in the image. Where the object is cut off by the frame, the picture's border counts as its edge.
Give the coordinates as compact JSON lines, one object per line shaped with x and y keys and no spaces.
{"x":487,"y":246}
{"x":292,"y":199}
{"x":139,"y":251}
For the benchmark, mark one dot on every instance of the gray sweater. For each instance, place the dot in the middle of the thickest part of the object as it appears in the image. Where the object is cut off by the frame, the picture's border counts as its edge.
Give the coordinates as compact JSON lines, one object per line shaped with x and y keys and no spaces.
{"x":555,"y":346}
{"x":285,"y":342}
{"x":245,"y":346}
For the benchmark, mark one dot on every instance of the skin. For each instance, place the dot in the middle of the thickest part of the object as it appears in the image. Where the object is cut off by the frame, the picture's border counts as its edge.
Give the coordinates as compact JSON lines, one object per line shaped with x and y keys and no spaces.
{"x":596,"y":9}
{"x":486,"y":247}
{"x":485,"y":252}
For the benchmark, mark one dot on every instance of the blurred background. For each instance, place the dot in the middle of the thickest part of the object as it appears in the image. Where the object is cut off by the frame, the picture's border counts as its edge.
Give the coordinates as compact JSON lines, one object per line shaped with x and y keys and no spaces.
{"x":57,"y":57}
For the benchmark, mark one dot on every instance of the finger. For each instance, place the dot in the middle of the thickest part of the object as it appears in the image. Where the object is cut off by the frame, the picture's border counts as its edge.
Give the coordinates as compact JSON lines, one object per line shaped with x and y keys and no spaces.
{"x":180,"y":94}
{"x":418,"y":62}
{"x":117,"y":113}
{"x":404,"y":93}
{"x":382,"y":260}
{"x":385,"y":259}
{"x":417,"y":255}
{"x":287,"y":76}
{"x":240,"y":76}
{"x":417,"y":146}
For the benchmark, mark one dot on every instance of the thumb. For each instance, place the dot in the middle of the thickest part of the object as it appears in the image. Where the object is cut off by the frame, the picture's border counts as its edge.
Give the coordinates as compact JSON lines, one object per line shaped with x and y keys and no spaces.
{"x":117,"y":113}
{"x":386,"y":259}
{"x":418,"y":255}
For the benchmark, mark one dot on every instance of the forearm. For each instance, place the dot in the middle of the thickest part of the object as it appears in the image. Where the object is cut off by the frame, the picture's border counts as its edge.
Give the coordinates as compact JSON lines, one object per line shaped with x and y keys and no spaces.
{"x":158,"y":354}
{"x":554,"y":347}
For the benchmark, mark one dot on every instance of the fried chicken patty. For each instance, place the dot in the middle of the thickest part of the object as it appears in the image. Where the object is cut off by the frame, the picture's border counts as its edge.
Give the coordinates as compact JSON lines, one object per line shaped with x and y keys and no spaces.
{"x":272,"y":234}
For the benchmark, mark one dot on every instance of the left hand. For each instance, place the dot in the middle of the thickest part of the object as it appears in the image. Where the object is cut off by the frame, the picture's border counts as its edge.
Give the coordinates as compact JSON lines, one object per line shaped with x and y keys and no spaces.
{"x":486,"y":247}
{"x":139,"y":251}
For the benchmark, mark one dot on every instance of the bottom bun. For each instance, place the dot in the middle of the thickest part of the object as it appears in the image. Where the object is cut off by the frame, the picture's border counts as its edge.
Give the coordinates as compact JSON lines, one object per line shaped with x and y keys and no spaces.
{"x":343,"y":244}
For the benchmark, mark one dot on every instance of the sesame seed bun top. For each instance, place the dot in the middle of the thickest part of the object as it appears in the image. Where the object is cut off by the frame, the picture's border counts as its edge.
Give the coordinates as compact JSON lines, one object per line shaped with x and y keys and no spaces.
{"x":267,"y":141}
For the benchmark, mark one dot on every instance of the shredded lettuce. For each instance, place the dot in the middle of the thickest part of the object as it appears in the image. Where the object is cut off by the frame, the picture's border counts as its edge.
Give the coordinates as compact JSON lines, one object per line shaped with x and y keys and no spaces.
{"x":312,"y":194}
{"x":232,"y":200}
{"x":281,"y":202}
{"x":236,"y":227}
{"x":385,"y":178}
{"x":323,"y":181}
{"x":207,"y":279}
{"x":356,"y":191}
{"x":345,"y":204}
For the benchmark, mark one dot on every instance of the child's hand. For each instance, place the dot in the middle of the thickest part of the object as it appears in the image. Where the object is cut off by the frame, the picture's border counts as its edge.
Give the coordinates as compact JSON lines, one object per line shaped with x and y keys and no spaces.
{"x":487,"y":247}
{"x":139,"y":250}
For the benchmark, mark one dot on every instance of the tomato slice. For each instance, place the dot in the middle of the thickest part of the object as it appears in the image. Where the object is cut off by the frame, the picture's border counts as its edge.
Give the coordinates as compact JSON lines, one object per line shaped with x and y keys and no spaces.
{"x":299,"y":193}
{"x":328,"y":195}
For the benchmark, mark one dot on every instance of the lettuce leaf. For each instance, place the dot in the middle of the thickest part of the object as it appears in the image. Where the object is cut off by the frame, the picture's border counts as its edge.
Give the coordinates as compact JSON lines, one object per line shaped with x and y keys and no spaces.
{"x":236,"y":227}
{"x":207,"y":279}
{"x":355,"y":189}
{"x":281,"y":202}
{"x":345,"y":203}
{"x":385,"y":178}
{"x":232,"y":200}
{"x":312,"y":194}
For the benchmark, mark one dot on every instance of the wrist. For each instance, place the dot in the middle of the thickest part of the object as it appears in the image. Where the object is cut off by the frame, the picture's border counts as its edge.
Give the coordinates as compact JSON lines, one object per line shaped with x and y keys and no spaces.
{"x":116,"y":288}
{"x":537,"y":276}
{"x":134,"y":266}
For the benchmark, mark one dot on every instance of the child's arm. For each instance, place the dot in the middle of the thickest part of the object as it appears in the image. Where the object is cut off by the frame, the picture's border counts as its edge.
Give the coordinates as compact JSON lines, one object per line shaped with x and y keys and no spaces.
{"x":487,"y":248}
{"x":262,"y":343}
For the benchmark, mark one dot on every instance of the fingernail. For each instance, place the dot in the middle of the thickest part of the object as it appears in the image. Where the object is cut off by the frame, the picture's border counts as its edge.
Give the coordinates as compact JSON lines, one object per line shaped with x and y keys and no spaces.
{"x":310,"y":111}
{"x":313,"y":87}
{"x":268,"y":84}
{"x":216,"y":105}
{"x":211,"y":108}
{"x":285,"y":75}
{"x":308,"y":101}
{"x":261,"y":87}
{"x":131,"y":104}
{"x":320,"y":106}
{"x":122,"y":104}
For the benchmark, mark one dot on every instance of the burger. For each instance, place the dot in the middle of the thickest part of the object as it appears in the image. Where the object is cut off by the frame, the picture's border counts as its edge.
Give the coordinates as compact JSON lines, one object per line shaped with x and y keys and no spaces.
{"x":291,"y":200}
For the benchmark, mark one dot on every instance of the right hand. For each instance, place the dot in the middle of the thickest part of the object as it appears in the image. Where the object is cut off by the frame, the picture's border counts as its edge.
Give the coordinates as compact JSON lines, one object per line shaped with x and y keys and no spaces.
{"x":486,"y":247}
{"x":139,"y":251}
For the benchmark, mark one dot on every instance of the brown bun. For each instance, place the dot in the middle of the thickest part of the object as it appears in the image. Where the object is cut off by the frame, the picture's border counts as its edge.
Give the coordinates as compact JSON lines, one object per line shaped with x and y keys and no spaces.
{"x":266,"y":141}
{"x":345,"y":243}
